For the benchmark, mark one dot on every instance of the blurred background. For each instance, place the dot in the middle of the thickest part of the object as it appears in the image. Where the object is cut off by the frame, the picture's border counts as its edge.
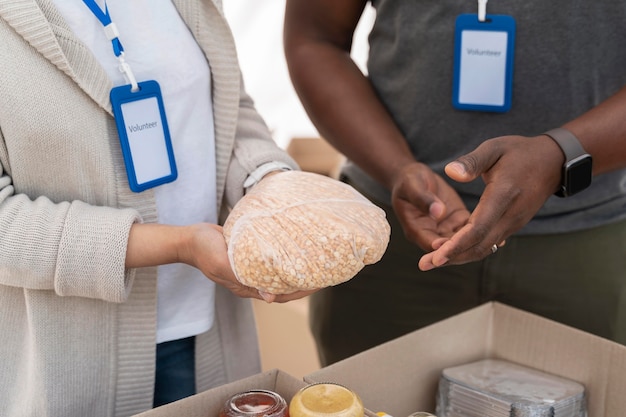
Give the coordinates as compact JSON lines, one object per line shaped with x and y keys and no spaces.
{"x":258,"y":30}
{"x":286,"y":342}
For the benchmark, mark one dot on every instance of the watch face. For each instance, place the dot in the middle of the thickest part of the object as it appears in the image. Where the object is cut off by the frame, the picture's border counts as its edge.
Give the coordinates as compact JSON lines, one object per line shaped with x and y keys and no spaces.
{"x":578,"y":173}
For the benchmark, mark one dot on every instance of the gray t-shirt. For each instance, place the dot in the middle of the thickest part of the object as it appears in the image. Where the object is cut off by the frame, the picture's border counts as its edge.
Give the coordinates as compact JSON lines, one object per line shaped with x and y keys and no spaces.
{"x":569,"y":57}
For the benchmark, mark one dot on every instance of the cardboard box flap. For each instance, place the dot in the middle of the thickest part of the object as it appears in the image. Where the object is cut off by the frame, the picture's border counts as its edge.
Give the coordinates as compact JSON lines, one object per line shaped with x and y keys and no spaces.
{"x":401,"y":376}
{"x":534,"y":341}
{"x":613,"y":403}
{"x":209,"y":403}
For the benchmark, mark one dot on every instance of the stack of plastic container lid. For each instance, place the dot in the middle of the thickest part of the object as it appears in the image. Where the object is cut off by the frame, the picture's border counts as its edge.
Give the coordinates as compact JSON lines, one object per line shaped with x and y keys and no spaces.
{"x":497,"y":388}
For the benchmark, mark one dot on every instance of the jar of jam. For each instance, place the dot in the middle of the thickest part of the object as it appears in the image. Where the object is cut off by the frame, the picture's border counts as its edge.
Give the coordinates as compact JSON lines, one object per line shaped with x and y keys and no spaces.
{"x":325,"y":400}
{"x":255,"y":403}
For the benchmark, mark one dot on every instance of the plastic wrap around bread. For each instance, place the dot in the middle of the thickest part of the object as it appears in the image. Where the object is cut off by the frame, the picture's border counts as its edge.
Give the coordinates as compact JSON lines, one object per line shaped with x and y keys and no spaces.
{"x":299,"y":230}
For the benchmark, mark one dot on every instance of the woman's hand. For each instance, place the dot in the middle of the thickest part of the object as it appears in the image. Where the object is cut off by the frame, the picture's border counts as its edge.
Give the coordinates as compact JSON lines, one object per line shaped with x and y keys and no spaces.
{"x":200,"y":245}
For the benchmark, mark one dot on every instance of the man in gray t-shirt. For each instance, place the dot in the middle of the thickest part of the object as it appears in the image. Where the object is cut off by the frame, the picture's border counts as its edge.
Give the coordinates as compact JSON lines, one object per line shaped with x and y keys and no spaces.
{"x":563,"y":257}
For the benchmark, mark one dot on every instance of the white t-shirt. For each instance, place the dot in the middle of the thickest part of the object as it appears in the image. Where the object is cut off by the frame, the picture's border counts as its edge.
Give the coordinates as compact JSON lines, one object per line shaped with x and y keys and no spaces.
{"x":158,"y":46}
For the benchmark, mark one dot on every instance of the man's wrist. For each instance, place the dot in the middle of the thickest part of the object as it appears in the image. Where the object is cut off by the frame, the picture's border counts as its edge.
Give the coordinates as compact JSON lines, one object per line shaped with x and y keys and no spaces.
{"x":577,"y":170}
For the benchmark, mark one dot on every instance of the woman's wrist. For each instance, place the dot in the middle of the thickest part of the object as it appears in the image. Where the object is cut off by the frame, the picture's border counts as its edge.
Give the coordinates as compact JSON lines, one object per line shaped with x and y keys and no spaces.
{"x":156,"y":244}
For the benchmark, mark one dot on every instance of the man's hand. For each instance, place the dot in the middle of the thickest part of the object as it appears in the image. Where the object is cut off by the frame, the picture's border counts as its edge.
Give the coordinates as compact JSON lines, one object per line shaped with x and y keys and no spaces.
{"x":520,"y":173}
{"x":429,"y":210}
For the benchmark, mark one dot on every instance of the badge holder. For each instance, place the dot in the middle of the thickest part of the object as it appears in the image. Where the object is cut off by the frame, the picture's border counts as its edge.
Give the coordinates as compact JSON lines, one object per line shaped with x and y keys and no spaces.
{"x":483,"y":61}
{"x":144,"y":135}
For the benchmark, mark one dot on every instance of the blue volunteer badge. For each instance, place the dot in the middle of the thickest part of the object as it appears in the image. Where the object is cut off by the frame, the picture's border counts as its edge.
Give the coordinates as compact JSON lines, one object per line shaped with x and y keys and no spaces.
{"x":144,"y":135}
{"x":483,"y":63}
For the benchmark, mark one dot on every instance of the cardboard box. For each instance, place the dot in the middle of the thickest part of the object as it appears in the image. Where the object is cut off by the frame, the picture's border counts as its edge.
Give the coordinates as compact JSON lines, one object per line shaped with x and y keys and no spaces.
{"x":401,"y":376}
{"x":285,"y":340}
{"x":209,"y":403}
{"x":315,"y":155}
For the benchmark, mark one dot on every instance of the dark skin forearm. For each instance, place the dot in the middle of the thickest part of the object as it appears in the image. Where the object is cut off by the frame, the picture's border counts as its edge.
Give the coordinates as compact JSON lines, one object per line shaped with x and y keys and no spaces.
{"x":602,"y":132}
{"x":338,"y":98}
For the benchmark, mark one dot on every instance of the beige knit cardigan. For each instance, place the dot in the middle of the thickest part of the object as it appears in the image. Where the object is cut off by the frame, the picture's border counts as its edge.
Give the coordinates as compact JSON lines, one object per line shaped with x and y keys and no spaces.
{"x":78,"y":330}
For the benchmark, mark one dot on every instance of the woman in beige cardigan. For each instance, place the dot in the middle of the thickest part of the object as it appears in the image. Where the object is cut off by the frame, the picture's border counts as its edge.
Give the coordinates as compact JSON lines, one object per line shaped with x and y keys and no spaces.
{"x":79,"y":250}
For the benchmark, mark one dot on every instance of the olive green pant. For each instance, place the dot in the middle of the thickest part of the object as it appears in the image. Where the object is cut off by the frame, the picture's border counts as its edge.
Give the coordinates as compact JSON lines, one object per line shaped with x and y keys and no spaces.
{"x":578,"y":279}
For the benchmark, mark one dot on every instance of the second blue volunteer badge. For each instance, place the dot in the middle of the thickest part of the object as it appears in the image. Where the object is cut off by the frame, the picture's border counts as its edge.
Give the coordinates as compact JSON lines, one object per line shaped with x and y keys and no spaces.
{"x":483,"y":61}
{"x":140,"y":119}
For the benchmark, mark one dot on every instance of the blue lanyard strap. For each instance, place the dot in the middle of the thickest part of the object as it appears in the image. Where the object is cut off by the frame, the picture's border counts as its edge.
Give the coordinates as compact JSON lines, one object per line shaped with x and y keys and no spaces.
{"x":113,"y":35}
{"x":109,"y":27}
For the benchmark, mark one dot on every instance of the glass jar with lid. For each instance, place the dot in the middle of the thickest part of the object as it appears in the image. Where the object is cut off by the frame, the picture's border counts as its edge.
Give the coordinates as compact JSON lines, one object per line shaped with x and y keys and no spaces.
{"x":326,"y":400}
{"x":255,"y":403}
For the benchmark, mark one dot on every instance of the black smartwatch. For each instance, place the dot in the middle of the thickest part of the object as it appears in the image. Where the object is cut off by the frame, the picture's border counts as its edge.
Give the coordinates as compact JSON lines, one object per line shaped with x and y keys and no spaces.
{"x":577,"y":171}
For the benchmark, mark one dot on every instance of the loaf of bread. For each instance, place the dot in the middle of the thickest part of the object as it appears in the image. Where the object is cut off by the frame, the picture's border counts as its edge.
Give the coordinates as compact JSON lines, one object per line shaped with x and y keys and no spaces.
{"x":299,"y":230}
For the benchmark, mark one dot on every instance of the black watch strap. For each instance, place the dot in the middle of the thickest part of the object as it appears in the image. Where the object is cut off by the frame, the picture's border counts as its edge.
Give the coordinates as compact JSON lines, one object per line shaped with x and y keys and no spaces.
{"x":577,"y":169}
{"x":568,"y":143}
